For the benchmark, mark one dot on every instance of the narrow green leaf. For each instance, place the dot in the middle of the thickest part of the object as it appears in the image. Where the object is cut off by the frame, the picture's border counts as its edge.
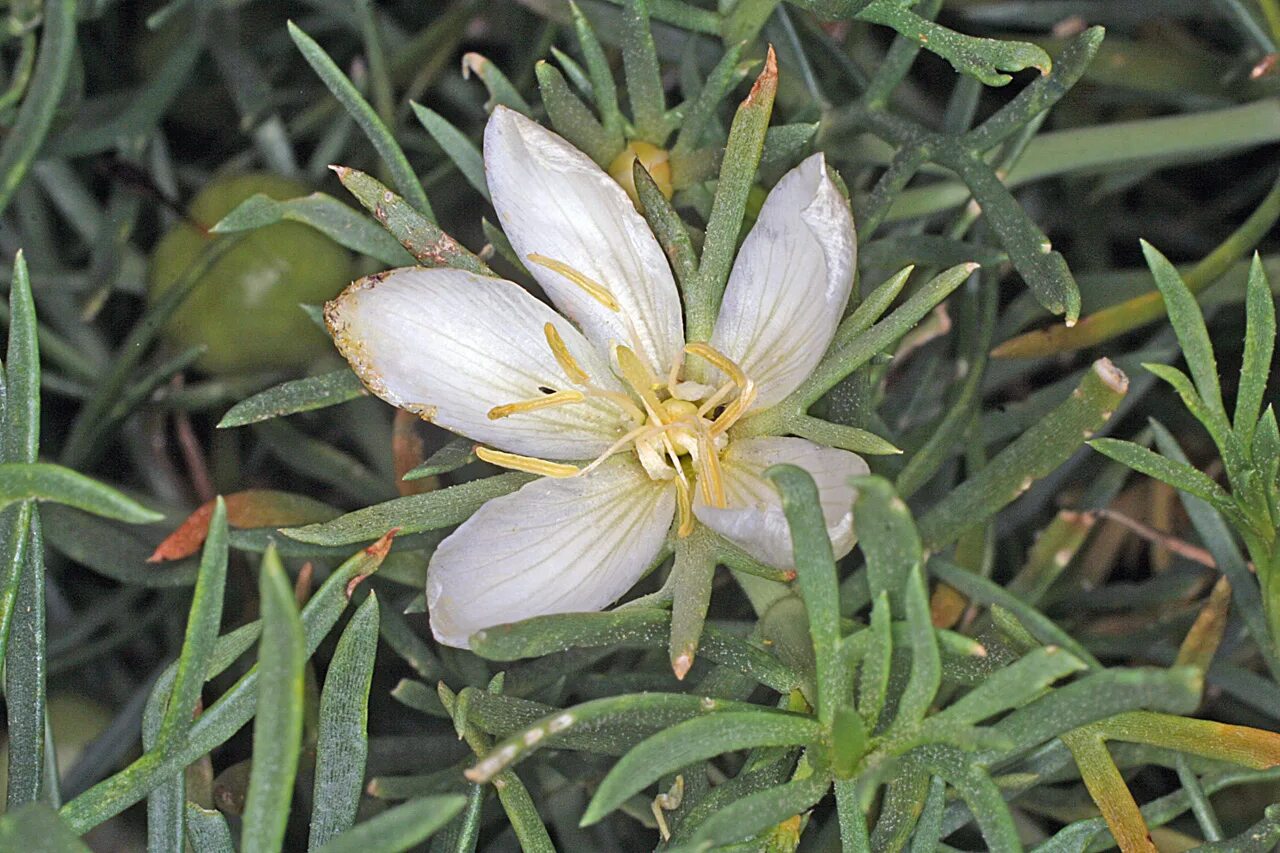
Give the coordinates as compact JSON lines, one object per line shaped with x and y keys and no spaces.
{"x":784,"y":144}
{"x":398,"y":828}
{"x":169,"y":711}
{"x":1011,"y":686}
{"x":25,"y":675}
{"x":816,"y":577}
{"x":604,"y":89}
{"x":1095,"y":697}
{"x":651,"y":711}
{"x":929,"y":828}
{"x":888,"y":538}
{"x":412,"y":514}
{"x":1259,"y":347}
{"x":849,"y":742}
{"x":1210,"y":827}
{"x":691,"y":742}
{"x":21,"y":440}
{"x":737,"y":176}
{"x":982,"y":58}
{"x":873,"y":681}
{"x":453,"y":455}
{"x":644,"y":77}
{"x":1182,"y":383}
{"x":296,"y":395}
{"x":203,"y":621}
{"x":1177,"y":474}
{"x":759,"y":811}
{"x":501,"y":91}
{"x":1188,"y":323}
{"x":36,"y":828}
{"x":1034,"y":454}
{"x":461,"y":150}
{"x":277,"y":725}
{"x":322,"y":212}
{"x":44,"y":481}
{"x":926,"y":662}
{"x":419,"y":235}
{"x":877,"y":302}
{"x":852,"y":347}
{"x":699,"y":114}
{"x":979,"y":793}
{"x":343,"y":741}
{"x":229,"y":713}
{"x":358,"y":108}
{"x":900,"y":807}
{"x":574,"y":71}
{"x":49,"y":79}
{"x":207,"y":830}
{"x":983,"y":591}
{"x":691,"y":576}
{"x":853,"y":823}
{"x":631,"y":627}
{"x":666,"y":224}
{"x":573,"y":120}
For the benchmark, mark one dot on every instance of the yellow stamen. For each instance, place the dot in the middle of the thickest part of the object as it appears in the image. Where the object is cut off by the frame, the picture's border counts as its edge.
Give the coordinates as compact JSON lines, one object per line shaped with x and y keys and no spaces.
{"x":709,"y":477}
{"x":559,"y":398}
{"x":637,"y":375}
{"x":735,"y":410}
{"x":594,"y":289}
{"x":746,"y":388}
{"x":528,"y":464}
{"x":673,"y":376}
{"x":719,"y":359}
{"x":714,"y":399}
{"x":684,"y":503}
{"x":564,"y":358}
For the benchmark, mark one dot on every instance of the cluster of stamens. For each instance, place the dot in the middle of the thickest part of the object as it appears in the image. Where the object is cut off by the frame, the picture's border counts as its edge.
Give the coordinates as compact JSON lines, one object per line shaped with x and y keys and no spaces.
{"x":668,"y":421}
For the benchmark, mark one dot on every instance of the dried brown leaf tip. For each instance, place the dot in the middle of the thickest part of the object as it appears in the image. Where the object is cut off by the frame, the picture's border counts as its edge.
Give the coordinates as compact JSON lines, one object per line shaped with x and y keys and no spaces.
{"x":767,"y":81}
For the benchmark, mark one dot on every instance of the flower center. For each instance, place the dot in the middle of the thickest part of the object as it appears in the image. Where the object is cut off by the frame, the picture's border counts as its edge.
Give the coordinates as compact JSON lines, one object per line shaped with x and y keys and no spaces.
{"x":677,"y":428}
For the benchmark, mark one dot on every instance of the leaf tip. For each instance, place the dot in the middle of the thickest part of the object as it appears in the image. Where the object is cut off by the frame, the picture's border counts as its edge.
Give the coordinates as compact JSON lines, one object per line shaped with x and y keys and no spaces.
{"x":1111,"y":376}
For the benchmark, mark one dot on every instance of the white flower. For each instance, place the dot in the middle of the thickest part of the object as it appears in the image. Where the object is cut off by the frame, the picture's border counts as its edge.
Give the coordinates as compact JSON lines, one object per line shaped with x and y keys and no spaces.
{"x":598,"y":397}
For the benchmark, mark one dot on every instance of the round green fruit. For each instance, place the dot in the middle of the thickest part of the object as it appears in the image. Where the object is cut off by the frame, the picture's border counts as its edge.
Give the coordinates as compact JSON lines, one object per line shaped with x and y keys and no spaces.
{"x":245,"y":307}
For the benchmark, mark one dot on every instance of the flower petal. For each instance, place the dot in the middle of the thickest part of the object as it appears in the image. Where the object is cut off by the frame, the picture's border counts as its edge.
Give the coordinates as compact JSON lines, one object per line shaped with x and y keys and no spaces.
{"x":790,"y":283}
{"x":451,"y":345}
{"x":555,"y":546}
{"x":753,"y":519}
{"x":554,"y":201}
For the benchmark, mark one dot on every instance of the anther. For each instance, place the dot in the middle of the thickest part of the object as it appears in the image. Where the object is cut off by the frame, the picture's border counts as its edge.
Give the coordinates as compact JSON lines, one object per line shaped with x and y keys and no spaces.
{"x":719,"y":359}
{"x":528,"y":464}
{"x":557,"y":398}
{"x":564,"y":358}
{"x":593,"y":288}
{"x":640,"y":379}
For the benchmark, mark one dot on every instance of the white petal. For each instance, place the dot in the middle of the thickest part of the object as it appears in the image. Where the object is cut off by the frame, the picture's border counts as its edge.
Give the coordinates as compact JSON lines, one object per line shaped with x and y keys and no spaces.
{"x":555,"y":546}
{"x":451,"y":346}
{"x":753,"y":519}
{"x":553,"y":200}
{"x":790,"y":283}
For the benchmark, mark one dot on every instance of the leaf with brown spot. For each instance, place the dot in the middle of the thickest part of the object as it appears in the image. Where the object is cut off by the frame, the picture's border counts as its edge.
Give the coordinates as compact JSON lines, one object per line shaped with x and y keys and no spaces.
{"x":250,"y":508}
